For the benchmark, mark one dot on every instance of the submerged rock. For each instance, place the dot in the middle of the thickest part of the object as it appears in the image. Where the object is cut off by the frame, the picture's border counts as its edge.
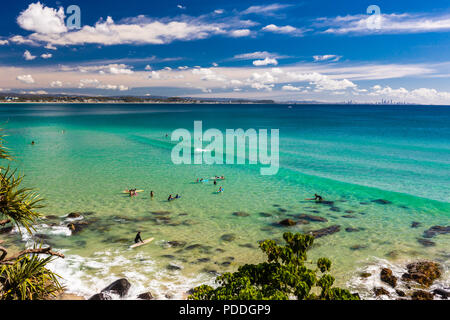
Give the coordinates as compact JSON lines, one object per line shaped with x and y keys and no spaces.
{"x":240,"y":214}
{"x":382,"y":201}
{"x":177,"y":244}
{"x":228,"y":237}
{"x":119,"y":287}
{"x":349,"y":216}
{"x":265,"y":215}
{"x":357,"y":247}
{"x":365,"y":274}
{"x":161,"y":213}
{"x":422,"y":272}
{"x":282,"y":210}
{"x":425,"y":242}
{"x":335,"y":209}
{"x":74,"y":215}
{"x":350,"y":229}
{"x":173,"y":267}
{"x":325,"y":231}
{"x":100,"y":296}
{"x":287,"y":222}
{"x":430,"y":233}
{"x":387,"y":276}
{"x":309,"y":217}
{"x":415,"y":224}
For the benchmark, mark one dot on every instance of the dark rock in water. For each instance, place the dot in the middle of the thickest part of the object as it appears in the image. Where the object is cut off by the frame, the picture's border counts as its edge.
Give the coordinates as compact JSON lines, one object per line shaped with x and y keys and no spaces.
{"x":422,"y":295}
{"x":282,"y":210}
{"x":325,"y":231}
{"x":177,"y":244}
{"x":302,"y":221}
{"x":240,"y":214}
{"x":349,"y":211}
{"x":173,"y":267}
{"x":161,"y":213}
{"x":387,"y":276}
{"x":415,"y":224}
{"x":350,"y":229}
{"x":119,"y":287}
{"x":6,"y":230}
{"x":335,"y":209}
{"x":247,"y":245}
{"x":276,"y":205}
{"x":400,"y":293}
{"x":225,"y":264}
{"x":52,"y":217}
{"x":362,"y":213}
{"x":381,"y":201}
{"x":183,"y":214}
{"x":203,"y":260}
{"x":349,"y":216}
{"x":357,"y":247}
{"x":430,"y":233}
{"x":82,"y":243}
{"x":229,"y":259}
{"x":100,"y":296}
{"x":364,"y":203}
{"x":441,"y":292}
{"x":380,"y":291}
{"x":426,"y":243}
{"x":287,"y":223}
{"x":220,"y":250}
{"x":168,"y":256}
{"x":266,"y":229}
{"x":365,"y":275}
{"x":210,"y":271}
{"x":312,"y":218}
{"x":228,"y":237}
{"x":422,"y":272}
{"x":314,"y":211}
{"x":265,"y":215}
{"x":74,"y":215}
{"x":146,"y":296}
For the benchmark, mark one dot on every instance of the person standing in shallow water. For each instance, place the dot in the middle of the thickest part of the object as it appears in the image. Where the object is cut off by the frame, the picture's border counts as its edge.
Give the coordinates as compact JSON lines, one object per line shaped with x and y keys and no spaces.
{"x":152,"y":194}
{"x":138,"y":238}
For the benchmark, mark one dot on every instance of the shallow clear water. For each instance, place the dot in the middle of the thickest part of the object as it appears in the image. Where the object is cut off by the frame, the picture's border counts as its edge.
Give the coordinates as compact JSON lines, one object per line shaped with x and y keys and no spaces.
{"x":85,"y":155}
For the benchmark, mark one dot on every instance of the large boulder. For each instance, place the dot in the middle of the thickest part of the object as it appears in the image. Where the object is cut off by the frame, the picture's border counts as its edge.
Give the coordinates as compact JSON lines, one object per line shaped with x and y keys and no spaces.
{"x":422,"y":295}
{"x":119,"y":287}
{"x":422,"y":272}
{"x":387,"y":277}
{"x":146,"y":296}
{"x":100,"y":296}
{"x":74,"y":215}
{"x":380,"y":291}
{"x":441,"y":292}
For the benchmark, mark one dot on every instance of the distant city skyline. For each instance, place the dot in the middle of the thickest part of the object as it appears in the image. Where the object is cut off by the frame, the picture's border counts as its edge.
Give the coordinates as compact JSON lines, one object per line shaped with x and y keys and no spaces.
{"x":323,"y":51}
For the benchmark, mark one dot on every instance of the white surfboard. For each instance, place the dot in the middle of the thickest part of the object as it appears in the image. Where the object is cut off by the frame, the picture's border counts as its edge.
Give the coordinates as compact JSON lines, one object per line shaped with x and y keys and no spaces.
{"x":136,"y":245}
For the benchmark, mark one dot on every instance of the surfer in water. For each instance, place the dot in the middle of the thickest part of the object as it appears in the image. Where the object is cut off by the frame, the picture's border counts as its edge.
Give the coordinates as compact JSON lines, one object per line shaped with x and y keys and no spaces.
{"x":170,"y":198}
{"x":138,"y":238}
{"x":317,"y":197}
{"x":152,"y":194}
{"x":215,"y":182}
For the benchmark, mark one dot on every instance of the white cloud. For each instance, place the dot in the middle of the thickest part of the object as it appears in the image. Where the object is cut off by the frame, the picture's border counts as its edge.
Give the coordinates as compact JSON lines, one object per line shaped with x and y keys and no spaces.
{"x":386,"y":24}
{"x":28,"y":56}
{"x":265,"y":62}
{"x":27,"y":78}
{"x":148,"y":67}
{"x":154,"y":75}
{"x":219,"y":11}
{"x":291,"y":88}
{"x":46,"y":56}
{"x":421,"y":95}
{"x":56,"y":84}
{"x":255,"y":55}
{"x":94,"y":83}
{"x":240,"y":33}
{"x":4,"y":42}
{"x":181,"y":7}
{"x":327,"y":57}
{"x":321,"y":81}
{"x":284,"y":30}
{"x":265,"y":9}
{"x":41,"y":19}
{"x":50,"y":47}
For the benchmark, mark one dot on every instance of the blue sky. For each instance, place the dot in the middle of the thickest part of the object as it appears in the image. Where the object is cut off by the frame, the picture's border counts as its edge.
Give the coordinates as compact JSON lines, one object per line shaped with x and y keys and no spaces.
{"x":282,"y":50}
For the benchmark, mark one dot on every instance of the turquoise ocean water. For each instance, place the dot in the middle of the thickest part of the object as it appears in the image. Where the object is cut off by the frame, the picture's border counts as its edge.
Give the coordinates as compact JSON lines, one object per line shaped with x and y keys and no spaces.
{"x":85,"y":155}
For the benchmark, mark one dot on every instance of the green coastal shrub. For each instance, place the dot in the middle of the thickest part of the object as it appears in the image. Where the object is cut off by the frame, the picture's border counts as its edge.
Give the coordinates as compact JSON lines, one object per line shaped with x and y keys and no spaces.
{"x":23,"y":275}
{"x":284,"y":276}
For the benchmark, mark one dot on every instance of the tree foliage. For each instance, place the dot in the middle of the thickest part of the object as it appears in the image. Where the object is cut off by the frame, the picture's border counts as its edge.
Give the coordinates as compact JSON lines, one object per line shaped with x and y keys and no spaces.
{"x":23,"y":276}
{"x":284,"y":276}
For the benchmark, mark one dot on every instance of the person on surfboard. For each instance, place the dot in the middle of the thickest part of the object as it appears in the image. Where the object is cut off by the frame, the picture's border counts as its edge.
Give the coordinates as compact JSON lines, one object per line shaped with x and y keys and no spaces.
{"x":138,"y":238}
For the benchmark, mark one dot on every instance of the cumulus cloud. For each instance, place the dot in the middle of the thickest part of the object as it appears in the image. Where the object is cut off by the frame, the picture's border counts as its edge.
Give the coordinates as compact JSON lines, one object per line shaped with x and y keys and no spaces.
{"x":56,"y":84}
{"x":46,"y":56}
{"x":27,"y":78}
{"x":4,"y":42}
{"x":284,"y":30}
{"x":291,"y":88}
{"x":265,"y":9}
{"x":41,"y":19}
{"x":321,"y":81}
{"x":265,"y":62}
{"x":28,"y":56}
{"x":421,"y":95}
{"x":94,"y":83}
{"x":240,"y":33}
